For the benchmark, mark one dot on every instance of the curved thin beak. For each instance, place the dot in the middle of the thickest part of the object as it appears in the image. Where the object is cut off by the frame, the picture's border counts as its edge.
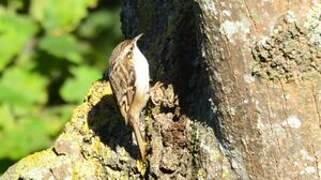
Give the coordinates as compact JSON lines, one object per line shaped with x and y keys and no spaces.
{"x":138,"y":37}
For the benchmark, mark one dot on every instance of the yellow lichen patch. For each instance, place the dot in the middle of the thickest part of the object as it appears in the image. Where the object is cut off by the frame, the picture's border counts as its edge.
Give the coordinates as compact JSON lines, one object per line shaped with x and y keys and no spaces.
{"x":226,"y":174}
{"x":100,"y":148}
{"x":97,"y":91}
{"x":39,"y":159}
{"x":88,"y":169}
{"x":123,"y":154}
{"x":201,"y":174}
{"x":108,"y":89}
{"x":141,"y":166}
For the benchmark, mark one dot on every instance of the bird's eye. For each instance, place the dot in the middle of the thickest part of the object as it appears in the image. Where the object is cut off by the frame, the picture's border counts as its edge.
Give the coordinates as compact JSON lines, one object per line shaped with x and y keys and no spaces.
{"x":129,"y":55}
{"x":132,"y":48}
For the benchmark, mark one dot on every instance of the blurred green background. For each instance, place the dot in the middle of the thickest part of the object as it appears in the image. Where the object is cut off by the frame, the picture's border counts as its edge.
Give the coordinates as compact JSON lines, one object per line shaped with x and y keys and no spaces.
{"x":50,"y":53}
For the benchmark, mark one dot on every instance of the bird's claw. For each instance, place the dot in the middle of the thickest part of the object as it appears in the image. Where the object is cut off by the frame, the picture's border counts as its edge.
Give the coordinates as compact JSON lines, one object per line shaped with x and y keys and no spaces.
{"x":155,"y":92}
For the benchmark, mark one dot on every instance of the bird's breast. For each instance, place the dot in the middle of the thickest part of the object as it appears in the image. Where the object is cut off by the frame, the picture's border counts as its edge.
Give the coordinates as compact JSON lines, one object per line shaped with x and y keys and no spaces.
{"x":142,"y":72}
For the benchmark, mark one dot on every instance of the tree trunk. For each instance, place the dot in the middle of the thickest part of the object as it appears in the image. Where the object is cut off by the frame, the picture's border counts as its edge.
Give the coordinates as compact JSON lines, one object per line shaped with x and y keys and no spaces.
{"x":241,"y":97}
{"x":249,"y":70}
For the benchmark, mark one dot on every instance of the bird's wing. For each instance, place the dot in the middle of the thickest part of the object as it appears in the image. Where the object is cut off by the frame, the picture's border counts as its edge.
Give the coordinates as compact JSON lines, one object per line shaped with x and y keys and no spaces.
{"x":122,"y":81}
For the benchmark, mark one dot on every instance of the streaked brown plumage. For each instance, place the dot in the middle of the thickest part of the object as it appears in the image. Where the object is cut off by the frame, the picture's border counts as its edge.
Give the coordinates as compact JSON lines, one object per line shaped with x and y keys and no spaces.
{"x":129,"y":79}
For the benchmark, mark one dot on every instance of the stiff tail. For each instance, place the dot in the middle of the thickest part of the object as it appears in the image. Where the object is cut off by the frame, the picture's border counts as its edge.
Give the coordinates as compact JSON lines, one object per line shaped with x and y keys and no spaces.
{"x":139,"y":138}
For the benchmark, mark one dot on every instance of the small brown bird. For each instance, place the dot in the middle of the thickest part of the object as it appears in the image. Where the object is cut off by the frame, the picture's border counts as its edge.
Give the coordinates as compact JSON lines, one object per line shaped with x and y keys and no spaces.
{"x":129,"y":79}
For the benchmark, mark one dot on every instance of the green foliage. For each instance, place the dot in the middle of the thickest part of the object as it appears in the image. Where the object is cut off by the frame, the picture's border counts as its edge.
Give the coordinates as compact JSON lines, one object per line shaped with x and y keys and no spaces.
{"x":28,"y":88}
{"x":50,"y":53}
{"x":83,"y":77}
{"x":64,"y":46}
{"x":60,"y":16}
{"x":26,"y":131}
{"x":15,"y":31}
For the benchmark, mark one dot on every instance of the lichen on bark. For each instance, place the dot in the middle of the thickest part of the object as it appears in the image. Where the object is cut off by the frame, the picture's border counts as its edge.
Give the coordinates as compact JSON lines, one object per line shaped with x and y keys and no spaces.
{"x":96,"y":144}
{"x":219,"y":114}
{"x":289,"y":53}
{"x":81,"y":152}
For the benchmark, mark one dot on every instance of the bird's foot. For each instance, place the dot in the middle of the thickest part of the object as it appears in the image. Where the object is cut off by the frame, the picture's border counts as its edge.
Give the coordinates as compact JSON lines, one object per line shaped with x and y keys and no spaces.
{"x":155,"y":92}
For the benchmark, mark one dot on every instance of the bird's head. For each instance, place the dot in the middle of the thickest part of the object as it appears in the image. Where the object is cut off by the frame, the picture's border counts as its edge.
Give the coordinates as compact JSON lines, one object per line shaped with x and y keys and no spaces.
{"x":123,"y":50}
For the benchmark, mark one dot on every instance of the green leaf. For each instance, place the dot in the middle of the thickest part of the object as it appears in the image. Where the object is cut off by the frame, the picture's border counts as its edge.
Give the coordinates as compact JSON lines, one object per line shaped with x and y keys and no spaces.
{"x":103,"y":26}
{"x":74,"y":89}
{"x":96,"y":23}
{"x":15,"y":32}
{"x":28,"y":134}
{"x":60,"y":16}
{"x":65,"y":46}
{"x":15,"y":4}
{"x":21,"y":87}
{"x":31,"y":132}
{"x":56,"y":117}
{"x":6,"y":119}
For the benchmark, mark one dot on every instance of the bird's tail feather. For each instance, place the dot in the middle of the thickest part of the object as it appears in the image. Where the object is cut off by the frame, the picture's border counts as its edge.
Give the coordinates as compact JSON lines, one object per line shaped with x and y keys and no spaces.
{"x":139,"y":138}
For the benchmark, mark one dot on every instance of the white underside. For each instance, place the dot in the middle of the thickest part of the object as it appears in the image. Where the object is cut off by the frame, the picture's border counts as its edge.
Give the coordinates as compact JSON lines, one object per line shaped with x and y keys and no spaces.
{"x":142,"y":72}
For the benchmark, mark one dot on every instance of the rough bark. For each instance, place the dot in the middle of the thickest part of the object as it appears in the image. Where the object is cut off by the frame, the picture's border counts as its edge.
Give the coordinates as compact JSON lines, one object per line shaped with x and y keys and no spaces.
{"x":249,"y":70}
{"x":96,"y":144}
{"x":241,"y":98}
